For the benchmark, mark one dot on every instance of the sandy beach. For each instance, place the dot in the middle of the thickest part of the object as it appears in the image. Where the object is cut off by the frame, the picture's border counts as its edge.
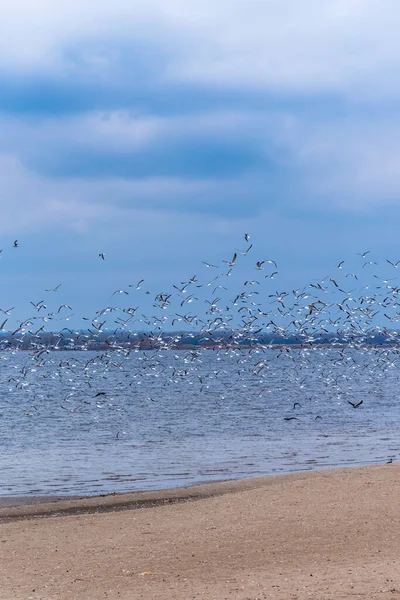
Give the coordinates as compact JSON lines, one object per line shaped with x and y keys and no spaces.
{"x":332,"y":534}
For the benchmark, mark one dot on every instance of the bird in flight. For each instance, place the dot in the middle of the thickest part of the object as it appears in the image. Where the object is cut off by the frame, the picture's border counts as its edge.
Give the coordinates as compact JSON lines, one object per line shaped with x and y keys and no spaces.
{"x":355,"y":404}
{"x":102,"y":255}
{"x":395,"y":265}
{"x":137,"y":285}
{"x":15,"y":244}
{"x":54,"y":289}
{"x":245,"y":253}
{"x":233,"y":261}
{"x":369,"y":262}
{"x":246,"y":237}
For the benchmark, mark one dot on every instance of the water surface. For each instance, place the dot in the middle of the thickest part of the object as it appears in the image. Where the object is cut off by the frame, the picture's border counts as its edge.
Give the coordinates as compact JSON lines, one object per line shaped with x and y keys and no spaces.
{"x":80,"y":424}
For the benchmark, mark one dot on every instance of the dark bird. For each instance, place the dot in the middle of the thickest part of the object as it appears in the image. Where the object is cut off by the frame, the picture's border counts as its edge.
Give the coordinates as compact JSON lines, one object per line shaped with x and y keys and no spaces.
{"x":102,"y":255}
{"x":15,"y":244}
{"x":355,"y":404}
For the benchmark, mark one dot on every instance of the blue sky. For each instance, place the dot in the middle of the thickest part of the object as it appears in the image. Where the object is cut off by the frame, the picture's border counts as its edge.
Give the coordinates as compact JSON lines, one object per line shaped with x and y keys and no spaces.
{"x":160,"y":132}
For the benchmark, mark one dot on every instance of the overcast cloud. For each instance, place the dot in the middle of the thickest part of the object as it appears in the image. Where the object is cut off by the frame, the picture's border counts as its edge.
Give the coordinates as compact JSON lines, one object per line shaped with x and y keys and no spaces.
{"x":182,"y":124}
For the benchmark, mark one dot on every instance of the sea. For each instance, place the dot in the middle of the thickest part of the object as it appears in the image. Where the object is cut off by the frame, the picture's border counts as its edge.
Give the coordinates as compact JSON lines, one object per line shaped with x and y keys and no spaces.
{"x":86,"y":423}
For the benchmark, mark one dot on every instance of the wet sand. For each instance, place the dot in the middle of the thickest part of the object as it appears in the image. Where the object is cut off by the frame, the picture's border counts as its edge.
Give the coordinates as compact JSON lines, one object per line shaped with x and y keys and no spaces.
{"x":323,"y":535}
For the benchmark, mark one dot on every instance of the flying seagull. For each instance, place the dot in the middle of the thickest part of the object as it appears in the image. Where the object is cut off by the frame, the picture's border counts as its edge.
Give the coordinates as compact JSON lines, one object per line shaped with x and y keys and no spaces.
{"x":54,"y":289}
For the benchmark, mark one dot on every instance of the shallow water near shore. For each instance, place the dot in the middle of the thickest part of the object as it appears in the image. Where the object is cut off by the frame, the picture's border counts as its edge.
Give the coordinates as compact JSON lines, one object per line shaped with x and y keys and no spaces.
{"x":164,"y":419}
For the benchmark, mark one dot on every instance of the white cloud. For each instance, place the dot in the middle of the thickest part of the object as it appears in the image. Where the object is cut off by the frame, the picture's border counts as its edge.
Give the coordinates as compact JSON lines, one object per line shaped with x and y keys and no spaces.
{"x":344,"y":46}
{"x":33,"y":203}
{"x":120,"y":130}
{"x":352,"y":160}
{"x":355,"y":161}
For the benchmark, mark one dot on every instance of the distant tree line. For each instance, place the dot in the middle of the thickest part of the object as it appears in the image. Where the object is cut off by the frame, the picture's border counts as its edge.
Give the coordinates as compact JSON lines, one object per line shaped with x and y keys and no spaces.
{"x":86,"y":340}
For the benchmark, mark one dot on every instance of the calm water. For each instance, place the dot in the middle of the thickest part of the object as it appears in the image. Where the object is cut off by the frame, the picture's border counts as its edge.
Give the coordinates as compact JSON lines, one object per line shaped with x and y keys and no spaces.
{"x":77,"y":424}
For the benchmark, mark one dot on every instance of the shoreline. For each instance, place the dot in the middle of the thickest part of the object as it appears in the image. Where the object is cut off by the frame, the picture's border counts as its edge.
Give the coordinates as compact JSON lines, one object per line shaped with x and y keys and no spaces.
{"x":14,"y":508}
{"x":22,"y":507}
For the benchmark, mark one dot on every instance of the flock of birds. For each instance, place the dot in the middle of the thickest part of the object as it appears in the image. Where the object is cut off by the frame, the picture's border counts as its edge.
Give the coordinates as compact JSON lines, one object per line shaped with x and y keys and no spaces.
{"x":334,"y":331}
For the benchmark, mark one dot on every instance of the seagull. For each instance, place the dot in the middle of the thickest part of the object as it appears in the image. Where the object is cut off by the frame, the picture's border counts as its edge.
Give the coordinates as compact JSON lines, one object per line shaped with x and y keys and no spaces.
{"x":232,"y":262}
{"x":209,"y":265}
{"x":246,"y":237}
{"x":15,"y":244}
{"x":102,"y":255}
{"x":369,"y":262}
{"x":259,"y":264}
{"x":54,"y":289}
{"x":64,"y":306}
{"x":245,"y":253}
{"x":137,"y":285}
{"x":120,"y":292}
{"x":395,"y":265}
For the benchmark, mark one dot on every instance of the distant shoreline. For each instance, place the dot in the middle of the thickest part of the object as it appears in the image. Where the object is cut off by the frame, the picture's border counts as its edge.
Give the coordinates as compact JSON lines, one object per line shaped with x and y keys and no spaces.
{"x":193,"y":341}
{"x":213,"y":347}
{"x":186,"y":347}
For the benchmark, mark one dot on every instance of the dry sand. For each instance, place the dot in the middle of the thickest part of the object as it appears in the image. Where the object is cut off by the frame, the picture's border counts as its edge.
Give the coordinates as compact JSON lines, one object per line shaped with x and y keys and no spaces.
{"x":322,"y":535}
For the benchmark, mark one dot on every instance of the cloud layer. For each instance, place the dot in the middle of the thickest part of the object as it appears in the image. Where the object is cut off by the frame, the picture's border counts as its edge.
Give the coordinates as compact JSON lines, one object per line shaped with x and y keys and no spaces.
{"x":193,"y":121}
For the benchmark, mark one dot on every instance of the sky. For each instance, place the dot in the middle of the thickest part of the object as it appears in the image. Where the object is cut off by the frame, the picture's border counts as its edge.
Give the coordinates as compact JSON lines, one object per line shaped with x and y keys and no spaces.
{"x":158,"y":133}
